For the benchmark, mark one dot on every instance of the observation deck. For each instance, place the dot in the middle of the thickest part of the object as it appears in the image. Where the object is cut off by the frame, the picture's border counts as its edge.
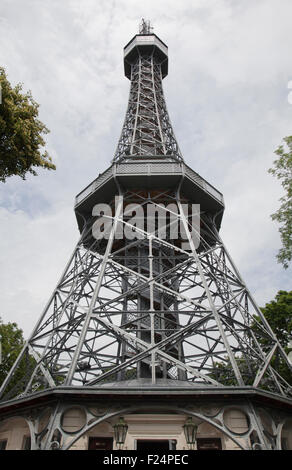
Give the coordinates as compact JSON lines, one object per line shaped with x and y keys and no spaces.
{"x":143,"y":44}
{"x":150,"y":174}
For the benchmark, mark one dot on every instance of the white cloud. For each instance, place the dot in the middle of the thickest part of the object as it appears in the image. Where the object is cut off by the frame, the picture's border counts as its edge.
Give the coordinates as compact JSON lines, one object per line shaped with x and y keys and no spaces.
{"x":33,"y":255}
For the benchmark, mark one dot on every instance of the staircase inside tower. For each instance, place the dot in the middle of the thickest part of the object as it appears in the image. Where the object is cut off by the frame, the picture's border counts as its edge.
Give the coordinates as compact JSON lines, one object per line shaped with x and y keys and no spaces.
{"x":154,"y":318}
{"x":149,"y":313}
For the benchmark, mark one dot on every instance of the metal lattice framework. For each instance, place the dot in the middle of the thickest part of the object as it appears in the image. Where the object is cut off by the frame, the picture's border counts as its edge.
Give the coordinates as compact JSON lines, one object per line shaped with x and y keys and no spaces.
{"x":147,"y":130}
{"x":152,"y":308}
{"x":148,"y":308}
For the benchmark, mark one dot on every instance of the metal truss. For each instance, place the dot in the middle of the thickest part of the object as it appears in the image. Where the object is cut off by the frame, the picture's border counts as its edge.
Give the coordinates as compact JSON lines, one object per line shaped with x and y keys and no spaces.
{"x":155,"y":312}
{"x":147,"y":130}
{"x":148,"y":308}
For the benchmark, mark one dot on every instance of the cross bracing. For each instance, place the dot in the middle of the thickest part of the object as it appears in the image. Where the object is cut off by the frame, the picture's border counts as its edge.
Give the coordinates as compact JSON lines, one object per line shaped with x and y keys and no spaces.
{"x":147,"y":130}
{"x":147,"y":308}
{"x":164,"y":300}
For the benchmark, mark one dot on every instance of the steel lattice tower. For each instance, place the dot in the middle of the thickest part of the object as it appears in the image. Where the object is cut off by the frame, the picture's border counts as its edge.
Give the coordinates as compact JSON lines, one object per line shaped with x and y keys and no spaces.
{"x":148,"y":305}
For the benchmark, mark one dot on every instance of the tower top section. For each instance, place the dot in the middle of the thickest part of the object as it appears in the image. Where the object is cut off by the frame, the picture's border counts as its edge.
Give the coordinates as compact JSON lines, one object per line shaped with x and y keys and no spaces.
{"x":144,"y":44}
{"x":147,"y":131}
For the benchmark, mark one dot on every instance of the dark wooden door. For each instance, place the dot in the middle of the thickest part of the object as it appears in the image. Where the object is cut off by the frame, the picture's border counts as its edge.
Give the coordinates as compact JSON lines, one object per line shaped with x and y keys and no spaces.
{"x":100,"y":443}
{"x":209,"y":444}
{"x":3,"y":443}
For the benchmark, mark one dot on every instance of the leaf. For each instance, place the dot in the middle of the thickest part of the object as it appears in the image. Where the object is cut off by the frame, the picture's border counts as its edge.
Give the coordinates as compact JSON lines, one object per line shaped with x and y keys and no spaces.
{"x":21,"y":133}
{"x":283,"y":171}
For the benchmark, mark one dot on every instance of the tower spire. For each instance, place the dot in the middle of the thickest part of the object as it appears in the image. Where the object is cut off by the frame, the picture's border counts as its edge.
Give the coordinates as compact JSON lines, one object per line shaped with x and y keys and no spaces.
{"x":145,"y":27}
{"x":147,"y":131}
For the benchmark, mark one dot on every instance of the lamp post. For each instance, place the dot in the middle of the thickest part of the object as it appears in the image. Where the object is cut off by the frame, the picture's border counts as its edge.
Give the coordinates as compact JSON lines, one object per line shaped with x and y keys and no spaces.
{"x":120,"y":432}
{"x":190,"y":430}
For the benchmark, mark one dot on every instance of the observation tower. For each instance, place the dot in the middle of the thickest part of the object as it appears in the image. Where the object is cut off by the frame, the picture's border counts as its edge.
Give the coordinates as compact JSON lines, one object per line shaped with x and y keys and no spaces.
{"x":151,"y":339}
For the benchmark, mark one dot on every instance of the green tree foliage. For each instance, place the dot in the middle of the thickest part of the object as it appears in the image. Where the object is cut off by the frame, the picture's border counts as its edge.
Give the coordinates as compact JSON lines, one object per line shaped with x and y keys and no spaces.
{"x":278,"y":313}
{"x":223,"y":372}
{"x":12,"y":342}
{"x":282,"y":169}
{"x":21,"y":133}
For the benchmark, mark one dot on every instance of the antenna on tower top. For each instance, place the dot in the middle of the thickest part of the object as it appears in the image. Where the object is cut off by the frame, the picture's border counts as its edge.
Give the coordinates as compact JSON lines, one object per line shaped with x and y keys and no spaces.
{"x":145,"y":27}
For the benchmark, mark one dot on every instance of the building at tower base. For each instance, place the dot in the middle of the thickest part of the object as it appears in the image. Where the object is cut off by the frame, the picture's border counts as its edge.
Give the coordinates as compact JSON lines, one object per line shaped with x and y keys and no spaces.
{"x":84,"y":419}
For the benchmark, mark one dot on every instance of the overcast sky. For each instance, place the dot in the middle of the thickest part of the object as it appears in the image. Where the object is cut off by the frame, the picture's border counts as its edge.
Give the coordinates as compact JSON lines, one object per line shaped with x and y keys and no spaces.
{"x":227,"y":96}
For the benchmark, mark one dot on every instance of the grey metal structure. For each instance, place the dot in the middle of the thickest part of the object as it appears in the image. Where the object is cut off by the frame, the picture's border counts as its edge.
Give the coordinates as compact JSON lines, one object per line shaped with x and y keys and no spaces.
{"x":150,"y":313}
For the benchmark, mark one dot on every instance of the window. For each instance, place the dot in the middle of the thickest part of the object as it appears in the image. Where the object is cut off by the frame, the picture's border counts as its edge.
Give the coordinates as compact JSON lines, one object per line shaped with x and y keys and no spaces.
{"x":3,"y":443}
{"x":284,"y":443}
{"x":209,"y":444}
{"x":26,"y":445}
{"x":100,"y":443}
